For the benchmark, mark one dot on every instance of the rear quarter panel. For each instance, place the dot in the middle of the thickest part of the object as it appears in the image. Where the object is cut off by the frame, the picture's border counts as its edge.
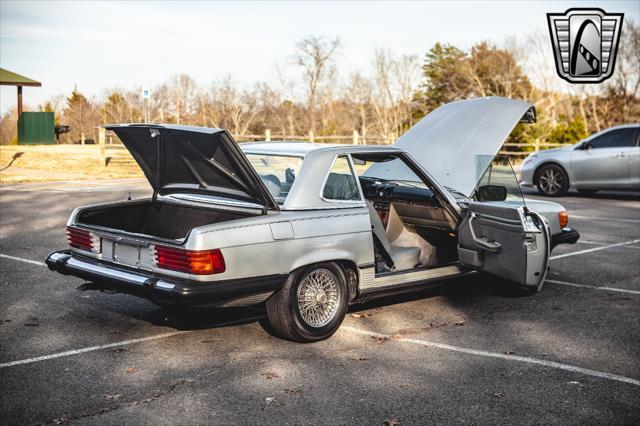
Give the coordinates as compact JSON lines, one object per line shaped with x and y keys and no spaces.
{"x":282,"y":242}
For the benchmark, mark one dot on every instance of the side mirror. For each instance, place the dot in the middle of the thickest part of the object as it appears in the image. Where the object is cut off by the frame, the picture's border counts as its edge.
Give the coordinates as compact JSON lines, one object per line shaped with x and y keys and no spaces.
{"x":584,"y":146}
{"x":492,"y":193}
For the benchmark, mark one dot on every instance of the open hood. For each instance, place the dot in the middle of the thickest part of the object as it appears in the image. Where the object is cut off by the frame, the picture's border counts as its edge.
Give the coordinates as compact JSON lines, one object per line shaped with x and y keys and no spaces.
{"x":189,"y":159}
{"x":456,"y":142}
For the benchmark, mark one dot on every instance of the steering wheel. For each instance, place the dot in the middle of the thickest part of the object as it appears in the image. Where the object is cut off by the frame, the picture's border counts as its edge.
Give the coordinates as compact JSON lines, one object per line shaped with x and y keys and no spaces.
{"x":272,"y":183}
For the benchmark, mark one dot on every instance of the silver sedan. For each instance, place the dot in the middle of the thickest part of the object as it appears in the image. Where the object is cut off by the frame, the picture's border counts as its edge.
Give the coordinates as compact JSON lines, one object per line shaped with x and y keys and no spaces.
{"x":609,"y":159}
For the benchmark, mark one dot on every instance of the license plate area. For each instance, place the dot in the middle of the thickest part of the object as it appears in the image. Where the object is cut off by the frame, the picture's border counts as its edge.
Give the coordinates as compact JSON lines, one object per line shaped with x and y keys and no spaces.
{"x":126,"y":254}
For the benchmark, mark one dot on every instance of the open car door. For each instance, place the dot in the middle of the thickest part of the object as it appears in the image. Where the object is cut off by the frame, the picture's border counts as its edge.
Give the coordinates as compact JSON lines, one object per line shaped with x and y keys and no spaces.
{"x":499,"y":235}
{"x":506,"y":241}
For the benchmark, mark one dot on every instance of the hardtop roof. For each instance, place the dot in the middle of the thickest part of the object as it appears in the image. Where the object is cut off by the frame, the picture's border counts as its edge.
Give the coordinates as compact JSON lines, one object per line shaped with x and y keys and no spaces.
{"x":301,"y":149}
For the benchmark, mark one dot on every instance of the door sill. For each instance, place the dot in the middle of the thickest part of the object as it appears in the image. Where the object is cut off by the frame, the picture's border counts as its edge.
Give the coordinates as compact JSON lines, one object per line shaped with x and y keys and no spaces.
{"x":391,"y":280}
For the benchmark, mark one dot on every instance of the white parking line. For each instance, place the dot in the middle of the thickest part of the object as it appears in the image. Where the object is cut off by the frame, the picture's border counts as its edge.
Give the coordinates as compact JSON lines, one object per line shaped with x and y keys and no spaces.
{"x":22,"y":259}
{"x":607,"y":219}
{"x":575,"y":253}
{"x":118,"y":344}
{"x":525,"y":359}
{"x":619,"y":290}
{"x":90,"y":349}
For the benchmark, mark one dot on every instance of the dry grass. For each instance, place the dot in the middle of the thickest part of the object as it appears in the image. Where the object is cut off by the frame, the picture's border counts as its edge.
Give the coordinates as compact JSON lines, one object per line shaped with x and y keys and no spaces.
{"x":58,"y":162}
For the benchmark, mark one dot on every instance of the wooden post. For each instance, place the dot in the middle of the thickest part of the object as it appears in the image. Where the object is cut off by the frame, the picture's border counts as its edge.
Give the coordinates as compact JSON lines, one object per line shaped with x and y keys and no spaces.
{"x":267,"y":135}
{"x":310,"y":135}
{"x":355,"y":137}
{"x":102,"y":136}
{"x":82,"y":138}
{"x":19,"y":101}
{"x":537,"y":144}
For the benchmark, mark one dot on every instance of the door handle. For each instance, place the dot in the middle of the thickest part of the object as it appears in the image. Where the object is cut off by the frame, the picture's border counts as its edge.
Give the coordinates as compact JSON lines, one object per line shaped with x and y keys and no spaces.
{"x":482,"y":242}
{"x":621,"y":155}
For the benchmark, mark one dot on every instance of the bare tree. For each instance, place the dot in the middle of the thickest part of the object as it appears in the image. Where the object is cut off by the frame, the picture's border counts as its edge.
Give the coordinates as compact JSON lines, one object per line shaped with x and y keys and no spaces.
{"x":182,"y":91}
{"x":239,"y":107}
{"x":359,"y":93}
{"x":315,"y":56}
{"x":395,"y":82}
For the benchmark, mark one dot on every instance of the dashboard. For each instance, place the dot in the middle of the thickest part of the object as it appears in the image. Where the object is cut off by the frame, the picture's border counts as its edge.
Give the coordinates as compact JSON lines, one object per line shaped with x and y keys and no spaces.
{"x":384,"y":191}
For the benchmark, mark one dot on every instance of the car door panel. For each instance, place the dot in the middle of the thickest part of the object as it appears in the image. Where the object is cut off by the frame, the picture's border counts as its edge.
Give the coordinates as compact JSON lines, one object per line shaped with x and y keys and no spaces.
{"x":505,"y":241}
{"x":633,"y":164}
{"x":608,"y":161}
{"x":599,"y":167}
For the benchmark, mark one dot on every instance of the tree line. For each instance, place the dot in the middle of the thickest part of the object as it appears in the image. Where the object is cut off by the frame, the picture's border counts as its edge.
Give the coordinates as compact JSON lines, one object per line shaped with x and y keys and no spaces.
{"x":380,"y":102}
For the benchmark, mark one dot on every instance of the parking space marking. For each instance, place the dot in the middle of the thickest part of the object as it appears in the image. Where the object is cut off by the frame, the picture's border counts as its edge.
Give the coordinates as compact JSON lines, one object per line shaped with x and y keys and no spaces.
{"x":608,"y":219}
{"x":619,"y":290}
{"x":22,"y":259}
{"x":601,"y":243}
{"x":525,"y":359}
{"x":90,"y":349}
{"x":120,"y":343}
{"x":608,"y":246}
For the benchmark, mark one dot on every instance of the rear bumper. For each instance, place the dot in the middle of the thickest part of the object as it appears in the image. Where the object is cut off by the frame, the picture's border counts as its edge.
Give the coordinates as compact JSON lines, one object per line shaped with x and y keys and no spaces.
{"x":566,"y":236}
{"x":238,"y":292}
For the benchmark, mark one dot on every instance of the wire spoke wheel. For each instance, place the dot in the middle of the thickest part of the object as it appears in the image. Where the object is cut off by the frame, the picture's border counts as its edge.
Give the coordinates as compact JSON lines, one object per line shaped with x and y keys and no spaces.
{"x":318,"y":297}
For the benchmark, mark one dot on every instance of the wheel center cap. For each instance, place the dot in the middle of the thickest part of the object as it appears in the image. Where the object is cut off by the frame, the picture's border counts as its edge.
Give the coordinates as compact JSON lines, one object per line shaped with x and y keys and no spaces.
{"x":321,"y":297}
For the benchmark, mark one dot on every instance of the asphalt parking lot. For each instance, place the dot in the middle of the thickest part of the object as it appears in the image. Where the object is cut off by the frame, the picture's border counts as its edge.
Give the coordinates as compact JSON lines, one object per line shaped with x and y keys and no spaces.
{"x":466,"y":352}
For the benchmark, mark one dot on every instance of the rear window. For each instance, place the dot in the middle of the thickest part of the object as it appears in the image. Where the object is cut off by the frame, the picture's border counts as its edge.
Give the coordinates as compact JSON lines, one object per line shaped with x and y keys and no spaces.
{"x":278,"y":172}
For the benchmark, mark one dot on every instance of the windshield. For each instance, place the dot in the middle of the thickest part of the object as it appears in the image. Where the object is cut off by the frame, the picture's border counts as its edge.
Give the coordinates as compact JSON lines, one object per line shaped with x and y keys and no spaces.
{"x":278,"y":172}
{"x":498,"y":182}
{"x":386,"y":168}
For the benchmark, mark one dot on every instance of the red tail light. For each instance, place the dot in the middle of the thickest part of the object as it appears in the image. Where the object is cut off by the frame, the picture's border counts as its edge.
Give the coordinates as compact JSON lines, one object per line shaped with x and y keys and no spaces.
{"x":85,"y":240}
{"x":200,"y":262}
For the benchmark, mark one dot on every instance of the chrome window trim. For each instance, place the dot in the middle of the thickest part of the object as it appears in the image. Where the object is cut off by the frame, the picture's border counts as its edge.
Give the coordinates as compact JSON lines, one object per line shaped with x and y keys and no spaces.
{"x":353,"y":171}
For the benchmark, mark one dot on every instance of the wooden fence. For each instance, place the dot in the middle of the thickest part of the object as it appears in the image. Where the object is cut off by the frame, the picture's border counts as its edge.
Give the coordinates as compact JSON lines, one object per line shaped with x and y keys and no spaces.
{"x":109,"y":143}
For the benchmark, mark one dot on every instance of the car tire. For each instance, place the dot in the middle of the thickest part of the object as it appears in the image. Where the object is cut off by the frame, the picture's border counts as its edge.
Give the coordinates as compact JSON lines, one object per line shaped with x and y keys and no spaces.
{"x":311,"y":304}
{"x":587,"y":191}
{"x":552,"y":180}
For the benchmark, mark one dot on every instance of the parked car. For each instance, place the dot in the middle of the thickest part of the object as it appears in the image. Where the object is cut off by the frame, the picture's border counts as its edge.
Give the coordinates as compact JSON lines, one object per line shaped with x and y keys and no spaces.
{"x":311,"y":228}
{"x":609,"y":159}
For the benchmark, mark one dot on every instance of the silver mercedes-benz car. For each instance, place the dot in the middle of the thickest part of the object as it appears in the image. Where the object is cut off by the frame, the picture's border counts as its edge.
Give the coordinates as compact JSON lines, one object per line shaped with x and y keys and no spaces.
{"x":311,"y":228}
{"x":609,"y":159}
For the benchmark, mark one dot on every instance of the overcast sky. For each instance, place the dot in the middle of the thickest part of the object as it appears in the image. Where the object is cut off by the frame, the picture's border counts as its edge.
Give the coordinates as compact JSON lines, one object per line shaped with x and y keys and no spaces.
{"x":129,"y":44}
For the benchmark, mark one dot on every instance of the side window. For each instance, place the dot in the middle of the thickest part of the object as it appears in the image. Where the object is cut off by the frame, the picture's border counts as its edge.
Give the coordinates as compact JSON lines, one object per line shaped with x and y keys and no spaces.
{"x":616,"y":139}
{"x":341,"y":184}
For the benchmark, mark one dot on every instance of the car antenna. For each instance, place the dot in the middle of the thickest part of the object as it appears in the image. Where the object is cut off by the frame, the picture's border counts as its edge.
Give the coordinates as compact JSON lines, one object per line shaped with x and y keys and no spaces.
{"x":129,"y":197}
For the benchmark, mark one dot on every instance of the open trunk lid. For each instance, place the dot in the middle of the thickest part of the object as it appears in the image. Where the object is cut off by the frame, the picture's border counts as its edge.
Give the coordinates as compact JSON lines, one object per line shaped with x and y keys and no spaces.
{"x":189,"y":159}
{"x":456,"y":142}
